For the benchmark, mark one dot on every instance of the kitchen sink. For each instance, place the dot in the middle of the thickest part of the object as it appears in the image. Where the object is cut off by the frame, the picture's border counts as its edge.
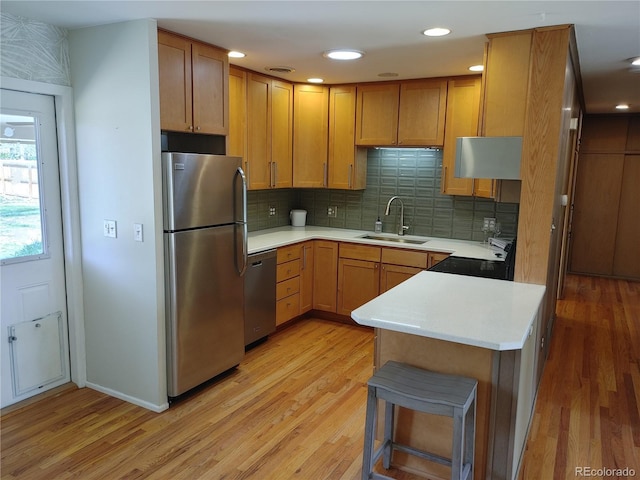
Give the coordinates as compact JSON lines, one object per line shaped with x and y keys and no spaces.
{"x":398,"y":239}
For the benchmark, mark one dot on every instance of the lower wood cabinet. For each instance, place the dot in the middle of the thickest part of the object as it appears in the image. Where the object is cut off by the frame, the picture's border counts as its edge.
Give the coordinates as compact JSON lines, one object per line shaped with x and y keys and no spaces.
{"x":358,"y":282}
{"x":306,"y":276}
{"x":399,"y":265}
{"x":325,"y":275}
{"x":288,"y":283}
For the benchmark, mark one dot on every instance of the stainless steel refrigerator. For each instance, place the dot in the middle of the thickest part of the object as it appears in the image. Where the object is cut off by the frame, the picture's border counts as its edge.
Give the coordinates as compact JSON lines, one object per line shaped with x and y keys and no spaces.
{"x":205,"y":238}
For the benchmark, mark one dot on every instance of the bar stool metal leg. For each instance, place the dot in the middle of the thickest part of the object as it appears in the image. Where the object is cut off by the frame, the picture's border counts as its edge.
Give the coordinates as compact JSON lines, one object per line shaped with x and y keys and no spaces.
{"x":369,"y":433}
{"x":389,"y":415}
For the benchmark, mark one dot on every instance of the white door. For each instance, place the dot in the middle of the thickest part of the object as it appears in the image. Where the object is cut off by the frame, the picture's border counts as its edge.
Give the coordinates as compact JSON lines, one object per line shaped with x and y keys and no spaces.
{"x":34,"y":348}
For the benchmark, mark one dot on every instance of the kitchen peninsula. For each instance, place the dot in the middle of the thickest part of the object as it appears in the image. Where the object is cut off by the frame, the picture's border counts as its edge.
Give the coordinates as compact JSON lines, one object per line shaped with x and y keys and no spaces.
{"x":476,"y":327}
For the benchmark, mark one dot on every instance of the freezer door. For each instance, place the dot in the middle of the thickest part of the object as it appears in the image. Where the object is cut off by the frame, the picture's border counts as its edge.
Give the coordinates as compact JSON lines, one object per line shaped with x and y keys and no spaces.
{"x":205,"y":325}
{"x":199,"y":190}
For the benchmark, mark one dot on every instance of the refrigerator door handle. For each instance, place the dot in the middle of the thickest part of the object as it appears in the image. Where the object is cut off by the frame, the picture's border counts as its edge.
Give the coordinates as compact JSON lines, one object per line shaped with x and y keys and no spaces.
{"x":242,"y":222}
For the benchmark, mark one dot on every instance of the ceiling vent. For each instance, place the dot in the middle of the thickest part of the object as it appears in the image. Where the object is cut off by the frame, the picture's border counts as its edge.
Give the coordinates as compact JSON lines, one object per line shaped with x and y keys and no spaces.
{"x":281,"y":69}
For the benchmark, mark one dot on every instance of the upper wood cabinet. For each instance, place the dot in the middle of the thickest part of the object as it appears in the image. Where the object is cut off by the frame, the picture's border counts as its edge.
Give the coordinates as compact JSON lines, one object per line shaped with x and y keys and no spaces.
{"x":269,"y":120}
{"x":506,"y":84}
{"x":194,"y":85}
{"x":407,"y":114}
{"x":310,"y":135}
{"x":237,"y":138}
{"x":347,"y":164}
{"x":463,"y":109}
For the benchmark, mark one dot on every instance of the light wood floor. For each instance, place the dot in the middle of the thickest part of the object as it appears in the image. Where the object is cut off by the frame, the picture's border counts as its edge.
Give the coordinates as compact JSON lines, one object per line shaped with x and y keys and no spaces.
{"x":295,"y":408}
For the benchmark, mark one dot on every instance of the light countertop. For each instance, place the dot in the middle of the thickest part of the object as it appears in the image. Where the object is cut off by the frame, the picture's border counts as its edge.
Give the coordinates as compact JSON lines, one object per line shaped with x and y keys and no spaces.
{"x":482,"y":312}
{"x":279,"y":237}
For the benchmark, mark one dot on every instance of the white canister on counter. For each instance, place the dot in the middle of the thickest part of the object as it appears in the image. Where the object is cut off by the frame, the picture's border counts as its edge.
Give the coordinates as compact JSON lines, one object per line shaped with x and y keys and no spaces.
{"x":298,"y":218}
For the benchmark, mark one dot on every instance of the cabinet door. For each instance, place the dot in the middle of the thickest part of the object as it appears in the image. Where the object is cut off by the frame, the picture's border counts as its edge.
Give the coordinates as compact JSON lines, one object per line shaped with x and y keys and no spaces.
{"x":358,"y":282}
{"x":325,"y":275}
{"x":377,"y":114}
{"x":174,"y":68}
{"x":463,"y":104}
{"x":306,"y":277}
{"x":626,"y":259}
{"x":422,"y":113}
{"x":258,"y":157}
{"x":310,"y":135}
{"x":506,"y":84}
{"x":237,"y":138}
{"x":210,"y":89}
{"x":392,"y":275}
{"x":347,"y":164}
{"x":281,"y":134}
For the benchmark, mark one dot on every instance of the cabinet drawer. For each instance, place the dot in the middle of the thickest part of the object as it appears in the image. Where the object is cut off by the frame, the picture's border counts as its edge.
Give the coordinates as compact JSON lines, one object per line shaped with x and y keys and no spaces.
{"x":288,"y":270}
{"x":359,"y":252}
{"x":435,"y":257}
{"x":287,"y":308}
{"x":287,"y":287}
{"x":286,"y":254}
{"x":407,"y":258}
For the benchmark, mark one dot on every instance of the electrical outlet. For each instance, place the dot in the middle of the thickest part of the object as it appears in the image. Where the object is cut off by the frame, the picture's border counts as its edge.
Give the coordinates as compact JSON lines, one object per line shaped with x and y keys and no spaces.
{"x":489,"y":224}
{"x":272,"y":211}
{"x":332,"y":212}
{"x":109,"y":228}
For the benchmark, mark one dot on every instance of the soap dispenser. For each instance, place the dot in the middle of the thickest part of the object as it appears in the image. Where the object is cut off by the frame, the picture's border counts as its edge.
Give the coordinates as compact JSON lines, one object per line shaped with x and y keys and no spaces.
{"x":378,"y":226}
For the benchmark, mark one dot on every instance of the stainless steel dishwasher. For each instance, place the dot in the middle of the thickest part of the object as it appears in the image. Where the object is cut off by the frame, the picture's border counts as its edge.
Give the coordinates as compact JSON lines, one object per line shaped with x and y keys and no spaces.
{"x":259,"y":296}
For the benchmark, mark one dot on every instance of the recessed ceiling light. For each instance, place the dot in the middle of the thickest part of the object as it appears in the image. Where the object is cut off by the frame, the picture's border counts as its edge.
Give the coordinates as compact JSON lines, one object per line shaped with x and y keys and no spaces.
{"x":636,"y":62}
{"x":315,"y":80}
{"x":476,"y":68}
{"x":622,"y":106}
{"x":236,"y":54}
{"x":343,"y":54}
{"x":436,"y":32}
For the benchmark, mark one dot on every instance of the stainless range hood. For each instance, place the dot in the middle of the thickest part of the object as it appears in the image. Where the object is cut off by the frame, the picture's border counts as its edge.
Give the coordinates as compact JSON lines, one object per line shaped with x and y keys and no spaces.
{"x":488,"y":157}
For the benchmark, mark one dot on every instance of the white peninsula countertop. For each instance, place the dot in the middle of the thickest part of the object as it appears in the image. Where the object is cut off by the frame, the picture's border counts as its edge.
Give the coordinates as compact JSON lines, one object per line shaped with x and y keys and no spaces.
{"x":482,"y":312}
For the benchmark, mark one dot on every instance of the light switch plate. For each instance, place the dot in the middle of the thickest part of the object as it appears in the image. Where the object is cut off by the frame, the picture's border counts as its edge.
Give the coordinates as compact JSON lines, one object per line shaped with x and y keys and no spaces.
{"x":137,"y":232}
{"x":110,"y":228}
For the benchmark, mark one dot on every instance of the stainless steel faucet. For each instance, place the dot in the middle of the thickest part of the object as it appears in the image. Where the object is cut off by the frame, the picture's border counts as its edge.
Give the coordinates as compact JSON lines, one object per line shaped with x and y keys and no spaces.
{"x":401,"y":227}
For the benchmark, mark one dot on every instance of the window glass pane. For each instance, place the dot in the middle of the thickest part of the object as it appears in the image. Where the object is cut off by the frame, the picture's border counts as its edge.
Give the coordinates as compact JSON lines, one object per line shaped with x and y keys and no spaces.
{"x":21,"y":224}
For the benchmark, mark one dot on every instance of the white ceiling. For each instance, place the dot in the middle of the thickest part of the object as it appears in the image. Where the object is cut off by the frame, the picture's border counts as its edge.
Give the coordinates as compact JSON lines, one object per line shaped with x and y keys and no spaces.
{"x":295,"y":33}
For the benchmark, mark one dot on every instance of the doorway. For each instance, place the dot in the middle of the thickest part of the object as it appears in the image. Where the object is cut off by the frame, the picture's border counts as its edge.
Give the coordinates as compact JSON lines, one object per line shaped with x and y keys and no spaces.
{"x":33,"y":315}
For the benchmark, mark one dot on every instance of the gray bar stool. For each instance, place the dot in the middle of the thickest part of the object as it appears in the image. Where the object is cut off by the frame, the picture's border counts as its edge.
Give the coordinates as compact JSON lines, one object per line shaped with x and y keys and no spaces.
{"x":424,"y":391}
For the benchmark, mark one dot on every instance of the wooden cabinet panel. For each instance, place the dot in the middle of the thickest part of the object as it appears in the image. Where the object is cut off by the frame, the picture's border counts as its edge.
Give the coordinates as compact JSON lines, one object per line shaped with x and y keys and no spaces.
{"x":287,"y":287}
{"x":237,"y":138}
{"x":435,"y":257}
{"x":358,"y":282}
{"x":258,"y":131}
{"x":633,"y":134}
{"x":626,"y":261}
{"x":408,"y":258}
{"x":310,"y":135}
{"x":286,"y":254}
{"x":377,"y":114}
{"x":421,"y":114}
{"x":174,"y":66}
{"x":210,"y":89}
{"x":194,"y":85}
{"x":281,"y":134}
{"x":506,"y":84}
{"x":463,"y":109}
{"x":360,"y":252}
{"x":347,"y":164}
{"x":604,"y":133}
{"x":392,"y":275}
{"x":287,"y":308}
{"x":306,"y":277}
{"x":288,"y":270}
{"x":325,"y":275}
{"x":594,"y":226}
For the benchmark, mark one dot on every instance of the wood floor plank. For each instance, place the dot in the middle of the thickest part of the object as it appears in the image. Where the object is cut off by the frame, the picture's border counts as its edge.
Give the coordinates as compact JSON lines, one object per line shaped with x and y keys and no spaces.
{"x":295,"y":408}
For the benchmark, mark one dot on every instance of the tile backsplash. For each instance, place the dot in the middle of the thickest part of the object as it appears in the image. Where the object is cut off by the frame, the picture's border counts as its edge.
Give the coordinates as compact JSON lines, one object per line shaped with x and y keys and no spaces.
{"x":414,"y":175}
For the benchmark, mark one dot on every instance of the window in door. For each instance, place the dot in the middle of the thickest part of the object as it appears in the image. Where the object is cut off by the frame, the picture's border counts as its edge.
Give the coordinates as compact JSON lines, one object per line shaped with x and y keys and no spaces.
{"x":22,"y":219}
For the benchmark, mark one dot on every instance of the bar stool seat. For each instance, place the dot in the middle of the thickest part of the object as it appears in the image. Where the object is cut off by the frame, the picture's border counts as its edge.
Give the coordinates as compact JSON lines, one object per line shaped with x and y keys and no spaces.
{"x":424,"y":391}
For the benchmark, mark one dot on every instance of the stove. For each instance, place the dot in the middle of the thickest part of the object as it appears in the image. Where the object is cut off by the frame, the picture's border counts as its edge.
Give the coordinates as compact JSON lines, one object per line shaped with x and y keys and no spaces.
{"x":477,"y":267}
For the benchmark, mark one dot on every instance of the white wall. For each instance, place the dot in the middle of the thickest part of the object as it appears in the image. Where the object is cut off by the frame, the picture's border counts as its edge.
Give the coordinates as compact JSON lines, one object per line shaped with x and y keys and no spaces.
{"x":114,"y":74}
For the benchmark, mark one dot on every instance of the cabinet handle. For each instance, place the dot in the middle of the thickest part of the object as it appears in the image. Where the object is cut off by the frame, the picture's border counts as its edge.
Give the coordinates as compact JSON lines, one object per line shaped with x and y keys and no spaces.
{"x":190,"y":128}
{"x":275,"y":173}
{"x":198,"y":128}
{"x":304,"y":258}
{"x":444,"y":179}
{"x":375,"y":266}
{"x":350,"y":174}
